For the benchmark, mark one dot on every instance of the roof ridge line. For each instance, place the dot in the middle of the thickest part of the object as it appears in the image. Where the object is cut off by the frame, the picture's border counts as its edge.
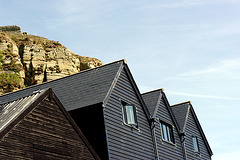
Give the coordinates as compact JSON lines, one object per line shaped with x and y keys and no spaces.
{"x":174,"y":105}
{"x":160,"y":89}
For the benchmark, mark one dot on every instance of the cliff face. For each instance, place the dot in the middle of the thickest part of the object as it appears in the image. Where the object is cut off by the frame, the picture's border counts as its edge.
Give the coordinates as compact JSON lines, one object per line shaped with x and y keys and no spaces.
{"x":27,"y":60}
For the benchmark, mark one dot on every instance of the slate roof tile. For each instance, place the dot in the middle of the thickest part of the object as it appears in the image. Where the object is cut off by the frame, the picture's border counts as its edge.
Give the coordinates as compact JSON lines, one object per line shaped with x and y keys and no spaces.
{"x":78,"y":90}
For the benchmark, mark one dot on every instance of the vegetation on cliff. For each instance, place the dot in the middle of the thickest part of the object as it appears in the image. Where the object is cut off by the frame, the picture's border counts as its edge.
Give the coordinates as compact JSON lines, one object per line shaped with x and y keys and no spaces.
{"x":27,"y":60}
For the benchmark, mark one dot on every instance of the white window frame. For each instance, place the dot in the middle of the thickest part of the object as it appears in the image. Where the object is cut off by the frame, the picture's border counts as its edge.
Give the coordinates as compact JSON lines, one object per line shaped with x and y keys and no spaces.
{"x":195,"y":144}
{"x":167,"y":132}
{"x":129,"y":113}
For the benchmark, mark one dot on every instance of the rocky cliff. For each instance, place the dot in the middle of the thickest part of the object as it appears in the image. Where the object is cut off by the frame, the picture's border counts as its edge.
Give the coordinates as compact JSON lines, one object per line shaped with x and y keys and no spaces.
{"x":26,"y":60}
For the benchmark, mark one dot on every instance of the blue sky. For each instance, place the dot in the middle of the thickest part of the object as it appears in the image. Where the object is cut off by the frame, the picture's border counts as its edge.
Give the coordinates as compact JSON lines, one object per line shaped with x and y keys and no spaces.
{"x":188,"y":47}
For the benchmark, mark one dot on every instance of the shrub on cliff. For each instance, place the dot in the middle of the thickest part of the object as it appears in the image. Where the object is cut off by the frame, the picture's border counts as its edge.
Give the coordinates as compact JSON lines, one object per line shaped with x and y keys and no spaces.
{"x":9,"y":81}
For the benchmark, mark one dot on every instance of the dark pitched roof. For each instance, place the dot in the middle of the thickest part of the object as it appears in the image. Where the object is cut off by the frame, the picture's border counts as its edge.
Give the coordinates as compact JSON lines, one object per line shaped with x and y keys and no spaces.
{"x":184,"y":109}
{"x":84,"y":88}
{"x":13,"y":111}
{"x":88,"y":87}
{"x":180,"y":112}
{"x":152,"y":99}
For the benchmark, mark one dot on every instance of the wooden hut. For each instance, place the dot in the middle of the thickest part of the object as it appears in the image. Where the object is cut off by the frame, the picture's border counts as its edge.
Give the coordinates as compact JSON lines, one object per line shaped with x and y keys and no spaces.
{"x":37,"y":126}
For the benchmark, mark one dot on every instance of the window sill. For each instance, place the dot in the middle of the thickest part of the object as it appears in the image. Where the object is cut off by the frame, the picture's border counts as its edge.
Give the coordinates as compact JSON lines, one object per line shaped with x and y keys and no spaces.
{"x":167,"y":142}
{"x":198,"y":154}
{"x":132,"y":126}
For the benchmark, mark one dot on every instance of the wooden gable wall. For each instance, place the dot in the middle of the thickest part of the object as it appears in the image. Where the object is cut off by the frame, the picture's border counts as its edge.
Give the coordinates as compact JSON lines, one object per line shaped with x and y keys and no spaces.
{"x":44,"y":133}
{"x":190,"y":131}
{"x":125,"y":142}
{"x":167,"y":150}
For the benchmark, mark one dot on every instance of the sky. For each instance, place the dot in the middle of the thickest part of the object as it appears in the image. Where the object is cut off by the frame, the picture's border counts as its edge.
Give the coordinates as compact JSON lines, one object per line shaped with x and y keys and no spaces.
{"x":190,"y":48}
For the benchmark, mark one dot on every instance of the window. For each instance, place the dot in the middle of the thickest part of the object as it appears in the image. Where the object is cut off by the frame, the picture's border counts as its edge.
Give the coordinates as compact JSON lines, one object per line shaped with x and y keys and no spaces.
{"x":129,"y":114}
{"x":167,"y":132}
{"x":195,"y":144}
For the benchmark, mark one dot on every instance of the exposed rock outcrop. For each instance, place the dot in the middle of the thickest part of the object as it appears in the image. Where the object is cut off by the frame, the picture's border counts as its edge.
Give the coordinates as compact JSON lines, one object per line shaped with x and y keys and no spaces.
{"x":27,"y":60}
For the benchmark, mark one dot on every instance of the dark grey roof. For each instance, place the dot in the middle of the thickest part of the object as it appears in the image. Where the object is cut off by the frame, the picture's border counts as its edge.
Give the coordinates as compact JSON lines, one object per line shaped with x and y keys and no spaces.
{"x":78,"y":90}
{"x":151,"y":100}
{"x":183,"y":109}
{"x":9,"y":111}
{"x":180,"y":112}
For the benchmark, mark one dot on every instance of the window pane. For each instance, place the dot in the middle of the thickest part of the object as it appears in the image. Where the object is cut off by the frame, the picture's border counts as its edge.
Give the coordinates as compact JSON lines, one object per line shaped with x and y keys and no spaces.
{"x":166,"y":132}
{"x":130,"y":114}
{"x":171,"y":135}
{"x":195,"y":144}
{"x":161,"y":126}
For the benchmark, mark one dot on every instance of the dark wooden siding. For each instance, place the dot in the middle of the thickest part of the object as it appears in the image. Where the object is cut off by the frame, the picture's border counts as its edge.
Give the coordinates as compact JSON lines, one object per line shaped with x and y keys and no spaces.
{"x":45,"y":133}
{"x":165,"y":149}
{"x":192,"y":130}
{"x":125,"y":142}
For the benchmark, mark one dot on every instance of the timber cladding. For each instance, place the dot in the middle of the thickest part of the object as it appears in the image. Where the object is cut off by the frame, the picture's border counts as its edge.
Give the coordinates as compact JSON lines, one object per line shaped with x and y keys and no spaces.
{"x":125,"y":142}
{"x":167,"y":150}
{"x":193,"y":130}
{"x":44,"y":133}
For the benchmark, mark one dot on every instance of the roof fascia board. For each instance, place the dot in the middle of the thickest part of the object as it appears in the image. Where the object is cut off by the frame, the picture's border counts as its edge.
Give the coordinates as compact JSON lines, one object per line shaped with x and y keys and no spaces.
{"x":200,"y":129}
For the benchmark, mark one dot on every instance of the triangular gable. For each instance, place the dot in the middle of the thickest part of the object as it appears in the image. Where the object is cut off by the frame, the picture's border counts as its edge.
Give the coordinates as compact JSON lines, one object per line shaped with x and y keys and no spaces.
{"x":181,"y":112}
{"x":24,"y":106}
{"x":127,"y":140}
{"x":88,"y":87}
{"x":126,"y":69}
{"x":152,"y":99}
{"x":162,"y":97}
{"x":184,"y":109}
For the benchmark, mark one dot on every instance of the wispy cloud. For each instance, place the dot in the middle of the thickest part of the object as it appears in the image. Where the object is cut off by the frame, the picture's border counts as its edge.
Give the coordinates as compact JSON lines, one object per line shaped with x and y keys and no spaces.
{"x":74,"y":11}
{"x":202,"y":96}
{"x":224,"y":70}
{"x":225,"y":67}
